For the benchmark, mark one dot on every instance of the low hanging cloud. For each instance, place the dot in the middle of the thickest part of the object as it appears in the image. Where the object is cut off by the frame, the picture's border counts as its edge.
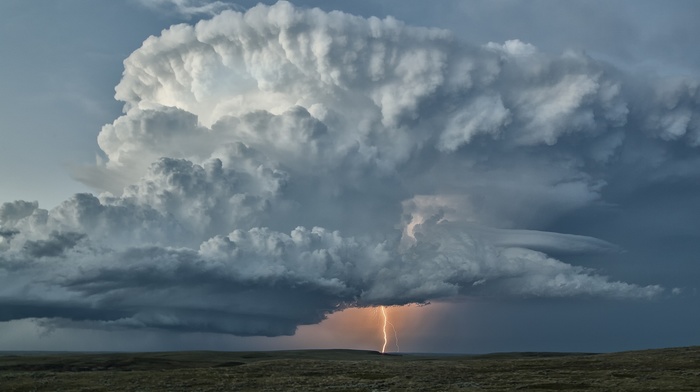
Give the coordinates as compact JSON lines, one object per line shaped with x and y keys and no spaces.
{"x":277,"y":165}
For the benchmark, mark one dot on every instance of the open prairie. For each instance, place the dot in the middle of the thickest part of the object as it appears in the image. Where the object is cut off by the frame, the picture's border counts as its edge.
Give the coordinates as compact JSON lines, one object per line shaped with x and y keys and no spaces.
{"x":676,"y":369}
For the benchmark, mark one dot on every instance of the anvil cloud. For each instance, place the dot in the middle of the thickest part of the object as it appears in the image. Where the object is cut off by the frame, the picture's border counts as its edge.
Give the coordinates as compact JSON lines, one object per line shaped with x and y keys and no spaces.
{"x":277,"y":165}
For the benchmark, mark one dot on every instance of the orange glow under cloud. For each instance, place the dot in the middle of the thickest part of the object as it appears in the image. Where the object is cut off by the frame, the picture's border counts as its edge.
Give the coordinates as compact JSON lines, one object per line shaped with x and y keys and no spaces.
{"x":361,"y":328}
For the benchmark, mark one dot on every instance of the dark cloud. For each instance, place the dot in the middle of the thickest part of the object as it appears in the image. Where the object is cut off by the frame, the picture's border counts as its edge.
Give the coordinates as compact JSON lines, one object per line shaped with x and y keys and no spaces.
{"x":12,"y":212}
{"x":8,"y":234}
{"x":55,"y":246}
{"x":58,"y":310}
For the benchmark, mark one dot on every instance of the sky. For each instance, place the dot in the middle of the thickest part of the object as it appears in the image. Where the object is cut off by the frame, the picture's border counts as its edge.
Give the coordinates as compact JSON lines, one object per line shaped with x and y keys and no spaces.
{"x":501,"y":175}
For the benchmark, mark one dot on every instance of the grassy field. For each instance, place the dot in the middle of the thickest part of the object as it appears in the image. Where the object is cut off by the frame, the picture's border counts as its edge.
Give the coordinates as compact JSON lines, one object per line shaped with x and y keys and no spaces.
{"x":676,"y":369}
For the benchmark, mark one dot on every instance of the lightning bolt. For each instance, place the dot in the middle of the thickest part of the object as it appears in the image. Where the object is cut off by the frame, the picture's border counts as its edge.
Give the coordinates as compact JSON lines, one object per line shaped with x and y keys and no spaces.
{"x":387,"y":322}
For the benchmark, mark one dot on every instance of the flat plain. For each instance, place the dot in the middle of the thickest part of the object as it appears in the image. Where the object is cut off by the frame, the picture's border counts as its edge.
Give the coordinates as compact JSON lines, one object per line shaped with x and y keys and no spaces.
{"x":674,"y":369}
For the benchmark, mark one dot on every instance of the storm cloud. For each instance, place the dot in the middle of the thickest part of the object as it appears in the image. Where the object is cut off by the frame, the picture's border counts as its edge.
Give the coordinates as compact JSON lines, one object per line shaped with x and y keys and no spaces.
{"x":277,"y":165}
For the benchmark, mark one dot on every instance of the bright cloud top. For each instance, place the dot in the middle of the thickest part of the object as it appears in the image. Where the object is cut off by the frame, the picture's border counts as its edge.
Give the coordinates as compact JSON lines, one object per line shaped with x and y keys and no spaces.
{"x":276,"y":165}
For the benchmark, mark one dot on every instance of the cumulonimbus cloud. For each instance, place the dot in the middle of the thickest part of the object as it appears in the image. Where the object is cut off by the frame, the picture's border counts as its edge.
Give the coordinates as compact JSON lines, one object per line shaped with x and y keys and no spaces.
{"x":276,"y":165}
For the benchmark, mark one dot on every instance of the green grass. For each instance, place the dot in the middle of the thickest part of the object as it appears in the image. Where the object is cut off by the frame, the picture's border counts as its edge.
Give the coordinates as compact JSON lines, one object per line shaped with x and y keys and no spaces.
{"x":675,"y":369}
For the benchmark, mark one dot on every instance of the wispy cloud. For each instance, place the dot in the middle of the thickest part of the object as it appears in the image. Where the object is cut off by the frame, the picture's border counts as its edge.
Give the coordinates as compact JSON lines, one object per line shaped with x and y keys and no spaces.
{"x":190,"y":8}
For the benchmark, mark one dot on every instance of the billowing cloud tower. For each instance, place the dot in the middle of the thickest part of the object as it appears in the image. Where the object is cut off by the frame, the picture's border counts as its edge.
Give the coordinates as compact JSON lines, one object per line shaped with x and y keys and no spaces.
{"x":276,"y":165}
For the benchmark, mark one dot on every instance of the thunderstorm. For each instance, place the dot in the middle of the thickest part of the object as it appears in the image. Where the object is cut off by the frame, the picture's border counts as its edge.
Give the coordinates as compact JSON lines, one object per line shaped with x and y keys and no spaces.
{"x":386,"y":322}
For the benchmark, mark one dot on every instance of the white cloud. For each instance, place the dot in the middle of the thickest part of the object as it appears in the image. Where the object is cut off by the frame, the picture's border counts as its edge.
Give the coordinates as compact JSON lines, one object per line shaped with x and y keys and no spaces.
{"x":189,"y":8}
